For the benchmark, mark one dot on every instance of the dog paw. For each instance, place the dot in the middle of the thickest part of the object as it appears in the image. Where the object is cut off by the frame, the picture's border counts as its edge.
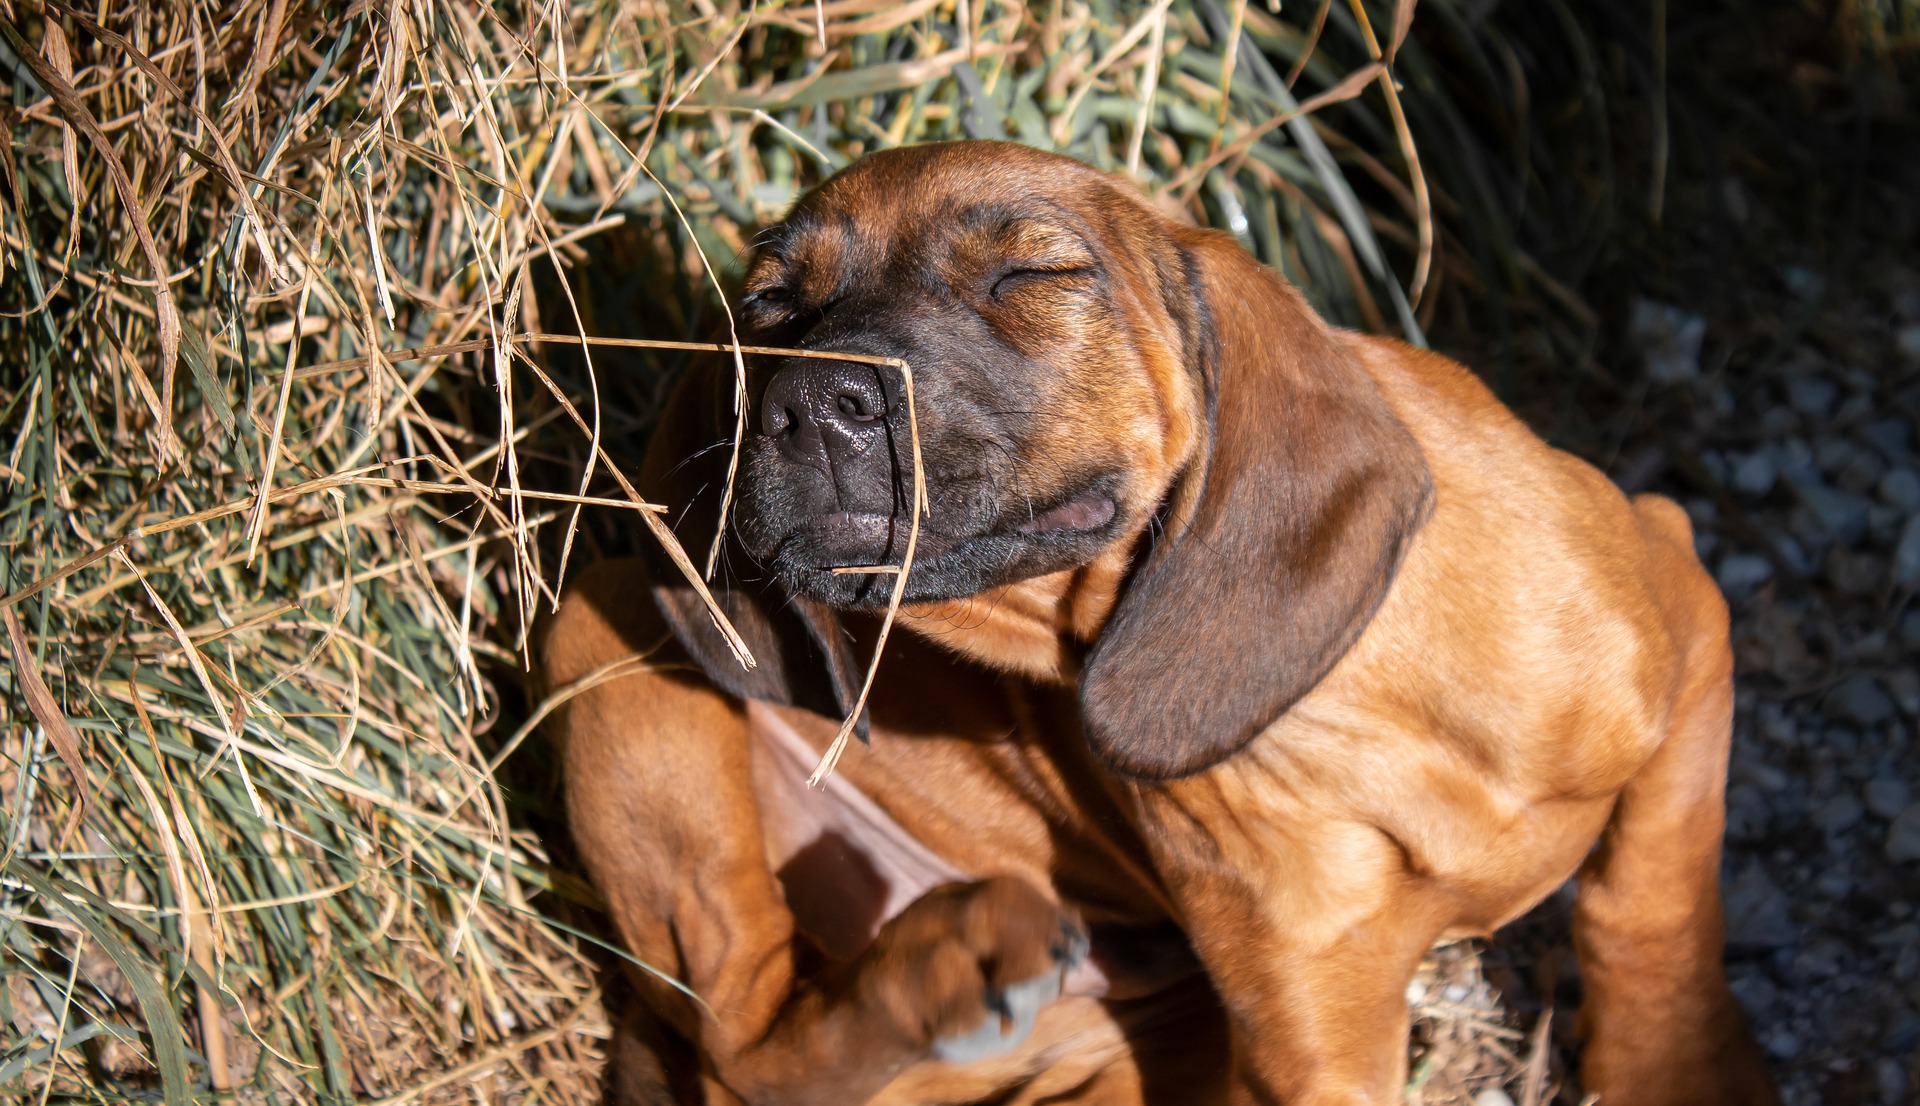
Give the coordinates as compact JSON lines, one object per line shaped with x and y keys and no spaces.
{"x":967,"y":968}
{"x":1010,"y":1016}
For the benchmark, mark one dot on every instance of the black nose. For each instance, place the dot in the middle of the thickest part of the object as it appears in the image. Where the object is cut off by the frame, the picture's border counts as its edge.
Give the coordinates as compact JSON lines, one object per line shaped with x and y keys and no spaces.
{"x":824,"y":406}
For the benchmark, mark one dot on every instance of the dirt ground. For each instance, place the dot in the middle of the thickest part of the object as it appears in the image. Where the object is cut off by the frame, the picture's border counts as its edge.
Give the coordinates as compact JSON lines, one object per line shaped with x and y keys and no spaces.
{"x":1757,"y":357}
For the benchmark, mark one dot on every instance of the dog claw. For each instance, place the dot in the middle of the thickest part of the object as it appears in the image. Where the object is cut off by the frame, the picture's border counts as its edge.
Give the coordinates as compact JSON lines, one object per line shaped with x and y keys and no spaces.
{"x":1011,"y":1012}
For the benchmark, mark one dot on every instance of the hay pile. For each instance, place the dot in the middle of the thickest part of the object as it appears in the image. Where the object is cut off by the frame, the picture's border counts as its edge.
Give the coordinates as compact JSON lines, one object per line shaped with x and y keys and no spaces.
{"x":285,"y":486}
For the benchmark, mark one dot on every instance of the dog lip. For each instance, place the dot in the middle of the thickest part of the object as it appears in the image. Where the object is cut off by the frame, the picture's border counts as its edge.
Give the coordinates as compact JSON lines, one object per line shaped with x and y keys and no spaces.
{"x":1090,"y":510}
{"x":867,"y":529}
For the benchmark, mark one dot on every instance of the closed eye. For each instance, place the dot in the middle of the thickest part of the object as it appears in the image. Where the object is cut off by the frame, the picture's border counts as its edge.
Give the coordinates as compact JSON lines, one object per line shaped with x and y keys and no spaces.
{"x":1014,"y":279}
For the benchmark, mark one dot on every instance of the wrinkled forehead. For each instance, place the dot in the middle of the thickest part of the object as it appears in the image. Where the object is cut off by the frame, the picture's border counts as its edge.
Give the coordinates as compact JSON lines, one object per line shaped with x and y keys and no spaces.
{"x":907,"y":203}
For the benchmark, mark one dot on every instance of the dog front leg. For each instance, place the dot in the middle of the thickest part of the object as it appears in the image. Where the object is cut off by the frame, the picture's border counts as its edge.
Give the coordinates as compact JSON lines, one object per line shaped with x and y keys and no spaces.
{"x":1661,"y":1026}
{"x":1309,"y":933}
{"x":664,"y":812}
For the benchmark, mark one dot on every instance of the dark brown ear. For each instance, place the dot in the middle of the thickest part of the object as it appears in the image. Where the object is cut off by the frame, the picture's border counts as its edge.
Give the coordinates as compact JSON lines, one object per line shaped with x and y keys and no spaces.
{"x":803,"y":656}
{"x":1311,"y":491}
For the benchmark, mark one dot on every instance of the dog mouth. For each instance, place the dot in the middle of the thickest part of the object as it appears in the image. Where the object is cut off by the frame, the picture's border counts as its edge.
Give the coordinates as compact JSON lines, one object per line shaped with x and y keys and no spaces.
{"x":815,"y":556}
{"x":1090,"y":510}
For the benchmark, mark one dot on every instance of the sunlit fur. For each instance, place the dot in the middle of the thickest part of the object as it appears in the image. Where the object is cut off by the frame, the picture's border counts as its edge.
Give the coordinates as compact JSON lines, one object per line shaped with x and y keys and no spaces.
{"x":1359,"y":663}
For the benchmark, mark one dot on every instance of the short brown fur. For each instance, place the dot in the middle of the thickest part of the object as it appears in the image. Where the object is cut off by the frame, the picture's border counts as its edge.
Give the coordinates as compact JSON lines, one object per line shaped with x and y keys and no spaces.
{"x":1365,"y":665}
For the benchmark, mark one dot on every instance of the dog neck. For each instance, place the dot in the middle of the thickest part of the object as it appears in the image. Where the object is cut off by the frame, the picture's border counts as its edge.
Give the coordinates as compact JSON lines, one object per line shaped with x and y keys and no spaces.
{"x":1039,"y":628}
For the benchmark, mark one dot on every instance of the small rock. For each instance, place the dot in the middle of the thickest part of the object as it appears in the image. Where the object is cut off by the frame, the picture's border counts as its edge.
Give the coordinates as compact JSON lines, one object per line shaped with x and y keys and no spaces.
{"x":1899,"y":936}
{"x":1668,"y":339}
{"x":1840,"y":814}
{"x":1889,"y":435}
{"x":1892,"y":1080}
{"x":1910,"y":628}
{"x":1834,"y":884}
{"x":1808,"y":525}
{"x":1884,"y":524}
{"x":1886,"y":797}
{"x":1899,"y":488}
{"x":1862,"y":472}
{"x":1755,"y":993}
{"x":1812,"y":396}
{"x":1755,"y":475}
{"x":1904,"y":686}
{"x":1834,"y":454}
{"x":1842,"y":514}
{"x":1782,"y":1045}
{"x":1756,"y":910}
{"x":1821,"y":961}
{"x":1902,"y":1034}
{"x":1802,"y":281}
{"x":1906,"y":555}
{"x":1908,"y":341}
{"x":1746,"y":812}
{"x":1855,"y":573}
{"x":1859,"y":698}
{"x":1492,"y":1096}
{"x":1778,"y":421}
{"x":1740,"y":573}
{"x":1903,"y":836}
{"x":1781,"y":729}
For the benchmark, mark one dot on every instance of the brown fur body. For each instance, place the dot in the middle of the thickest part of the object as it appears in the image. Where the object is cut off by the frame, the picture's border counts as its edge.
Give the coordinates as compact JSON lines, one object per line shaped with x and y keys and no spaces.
{"x":1357,"y":663}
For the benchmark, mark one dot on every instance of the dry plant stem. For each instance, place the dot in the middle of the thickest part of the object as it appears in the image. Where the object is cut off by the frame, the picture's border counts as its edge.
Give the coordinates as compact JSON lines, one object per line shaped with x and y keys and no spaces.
{"x":1228,"y":61}
{"x":46,"y":709}
{"x":920,"y":507}
{"x":166,"y":317}
{"x":338,"y":480}
{"x":238,"y":179}
{"x":1423,"y":202}
{"x":660,"y":530}
{"x":1353,"y":84}
{"x":270,"y":448}
{"x":1533,"y":1086}
{"x":739,"y":365}
{"x":1150,"y":83}
{"x":1312,"y":43}
{"x":229,"y":735}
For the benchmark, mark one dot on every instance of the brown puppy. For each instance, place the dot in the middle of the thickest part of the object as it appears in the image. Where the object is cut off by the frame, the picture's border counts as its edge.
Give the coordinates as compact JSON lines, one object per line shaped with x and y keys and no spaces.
{"x":1230,"y":625}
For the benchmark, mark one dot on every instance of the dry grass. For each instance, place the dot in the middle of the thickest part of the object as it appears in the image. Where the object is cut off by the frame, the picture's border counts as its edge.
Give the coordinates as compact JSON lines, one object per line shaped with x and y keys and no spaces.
{"x":286,"y":482}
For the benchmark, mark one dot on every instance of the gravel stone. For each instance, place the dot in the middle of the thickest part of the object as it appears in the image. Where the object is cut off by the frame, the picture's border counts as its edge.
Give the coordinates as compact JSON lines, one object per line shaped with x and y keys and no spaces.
{"x":1782,"y":1044}
{"x":1842,"y":514}
{"x":1891,"y":1080}
{"x":1906,"y":555}
{"x":1861,"y":699}
{"x":1908,"y":341}
{"x":1756,"y":908}
{"x":1755,"y":993}
{"x":1886,"y":797}
{"x":1668,"y":339}
{"x":1492,"y":1096}
{"x":1891,"y":436}
{"x":1740,"y":573}
{"x":1812,"y":396}
{"x":1755,"y":475}
{"x":1840,"y":814}
{"x":1903,"y":836}
{"x":1898,"y":488}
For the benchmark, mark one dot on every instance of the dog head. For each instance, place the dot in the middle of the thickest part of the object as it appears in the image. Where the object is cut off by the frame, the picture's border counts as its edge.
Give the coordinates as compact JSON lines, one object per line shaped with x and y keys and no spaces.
{"x":1094,"y":383}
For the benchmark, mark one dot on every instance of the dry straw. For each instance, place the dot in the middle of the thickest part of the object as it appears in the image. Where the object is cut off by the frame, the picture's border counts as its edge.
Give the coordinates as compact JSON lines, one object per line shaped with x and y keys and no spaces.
{"x":306,"y":408}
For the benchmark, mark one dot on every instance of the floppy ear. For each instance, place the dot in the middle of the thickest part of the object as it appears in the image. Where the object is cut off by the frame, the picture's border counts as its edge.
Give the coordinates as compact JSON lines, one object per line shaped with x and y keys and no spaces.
{"x":795,"y":641}
{"x":1310,"y":492}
